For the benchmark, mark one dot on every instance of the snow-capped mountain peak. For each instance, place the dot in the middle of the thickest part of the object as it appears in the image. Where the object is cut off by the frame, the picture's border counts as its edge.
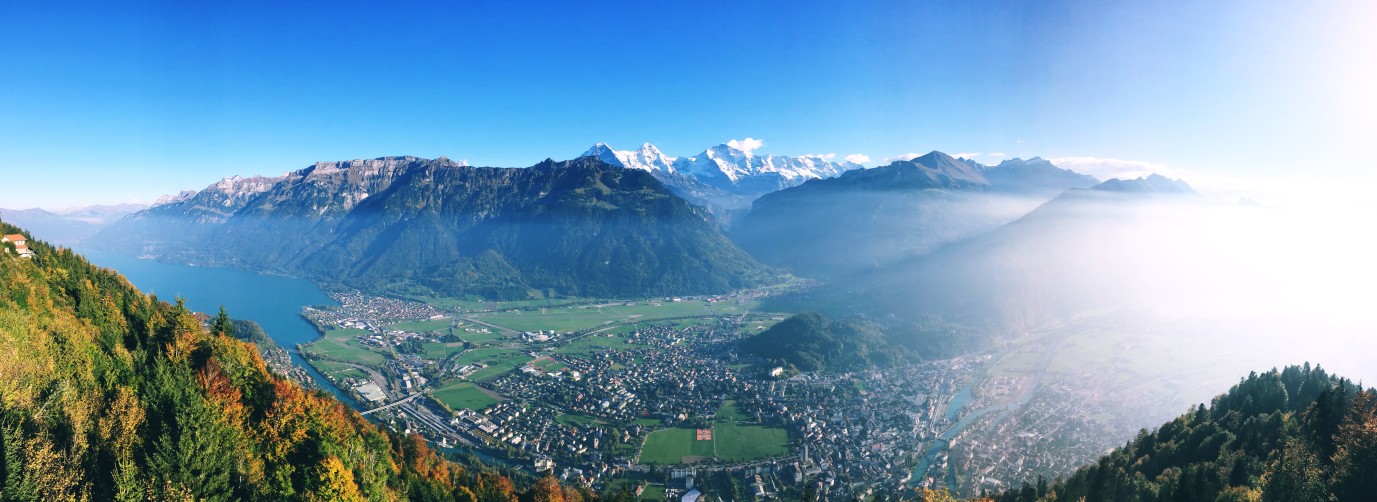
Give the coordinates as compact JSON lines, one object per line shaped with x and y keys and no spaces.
{"x":736,"y":166}
{"x":174,"y":198}
{"x":646,"y":158}
{"x":726,"y":167}
{"x":605,"y":153}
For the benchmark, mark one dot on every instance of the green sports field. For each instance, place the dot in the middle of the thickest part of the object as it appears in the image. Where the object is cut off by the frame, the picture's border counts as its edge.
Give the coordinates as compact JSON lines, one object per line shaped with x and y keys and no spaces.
{"x":464,"y":395}
{"x":674,"y":446}
{"x":729,"y":412}
{"x":740,"y":443}
{"x":730,"y":443}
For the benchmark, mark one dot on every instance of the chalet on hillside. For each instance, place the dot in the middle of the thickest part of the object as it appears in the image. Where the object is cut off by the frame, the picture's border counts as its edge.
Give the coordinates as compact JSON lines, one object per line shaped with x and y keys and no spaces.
{"x":21,"y":244}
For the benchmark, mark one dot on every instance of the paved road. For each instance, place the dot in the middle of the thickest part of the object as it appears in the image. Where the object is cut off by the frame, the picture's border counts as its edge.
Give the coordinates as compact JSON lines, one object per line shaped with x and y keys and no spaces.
{"x":386,"y":406}
{"x":507,"y":331}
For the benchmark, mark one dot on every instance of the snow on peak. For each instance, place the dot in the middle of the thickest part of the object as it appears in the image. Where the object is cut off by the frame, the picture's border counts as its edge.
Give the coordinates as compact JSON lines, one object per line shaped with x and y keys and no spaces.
{"x":174,"y":198}
{"x":735,"y":164}
{"x":727,"y":164}
{"x":645,"y":158}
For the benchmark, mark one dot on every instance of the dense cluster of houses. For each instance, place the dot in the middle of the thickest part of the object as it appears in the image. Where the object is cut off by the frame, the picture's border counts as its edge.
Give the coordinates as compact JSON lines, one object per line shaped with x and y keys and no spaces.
{"x":583,"y":415}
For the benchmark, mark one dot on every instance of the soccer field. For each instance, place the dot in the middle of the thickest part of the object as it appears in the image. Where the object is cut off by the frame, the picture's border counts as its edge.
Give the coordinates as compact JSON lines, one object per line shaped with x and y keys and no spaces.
{"x":464,"y":395}
{"x":730,"y":443}
{"x":674,"y":446}
{"x":740,"y":443}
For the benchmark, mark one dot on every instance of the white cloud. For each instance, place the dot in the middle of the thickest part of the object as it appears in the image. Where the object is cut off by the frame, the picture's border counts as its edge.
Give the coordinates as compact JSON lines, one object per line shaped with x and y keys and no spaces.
{"x":746,"y":145}
{"x":995,"y":154}
{"x":906,"y":156}
{"x":824,"y":156}
{"x":967,"y":155}
{"x":858,"y":158}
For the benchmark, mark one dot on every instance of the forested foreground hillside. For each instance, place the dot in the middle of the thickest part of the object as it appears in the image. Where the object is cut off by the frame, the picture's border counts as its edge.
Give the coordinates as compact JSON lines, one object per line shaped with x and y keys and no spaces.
{"x":109,"y":394}
{"x":1298,"y":434}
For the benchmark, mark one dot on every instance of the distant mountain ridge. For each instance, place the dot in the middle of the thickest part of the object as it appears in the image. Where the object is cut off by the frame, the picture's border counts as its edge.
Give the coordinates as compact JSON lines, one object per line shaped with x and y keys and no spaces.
{"x":1153,"y":183}
{"x":412,"y":225}
{"x":69,"y":226}
{"x":864,"y":219}
{"x":1083,"y":250}
{"x":1035,"y":175}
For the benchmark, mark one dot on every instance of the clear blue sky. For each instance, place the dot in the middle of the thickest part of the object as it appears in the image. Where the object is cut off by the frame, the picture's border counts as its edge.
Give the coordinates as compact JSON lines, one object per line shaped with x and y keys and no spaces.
{"x":100,"y":103}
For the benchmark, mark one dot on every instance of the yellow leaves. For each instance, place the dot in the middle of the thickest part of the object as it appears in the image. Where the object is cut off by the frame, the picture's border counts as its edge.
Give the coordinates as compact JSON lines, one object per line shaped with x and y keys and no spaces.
{"x":464,"y":494}
{"x":187,"y":335}
{"x":119,"y":427}
{"x":23,"y":371}
{"x":52,"y":474}
{"x":284,"y":424}
{"x":927,"y":495}
{"x":79,"y":409}
{"x":334,"y":482}
{"x":172,"y":492}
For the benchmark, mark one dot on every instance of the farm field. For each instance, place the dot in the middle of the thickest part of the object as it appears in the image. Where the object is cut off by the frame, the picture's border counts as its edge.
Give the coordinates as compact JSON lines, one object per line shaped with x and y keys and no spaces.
{"x":341,"y":344}
{"x":424,"y":326}
{"x":498,"y":360}
{"x":478,"y":338}
{"x":584,"y":317}
{"x":591,"y":344}
{"x":441,"y":350}
{"x":338,"y":370}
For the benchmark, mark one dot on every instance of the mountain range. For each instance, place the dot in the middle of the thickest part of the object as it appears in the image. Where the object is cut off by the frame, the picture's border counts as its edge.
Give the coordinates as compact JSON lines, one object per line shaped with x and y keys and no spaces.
{"x":865,"y":219}
{"x":959,"y":239}
{"x":724,"y":179}
{"x":69,"y":226}
{"x":1115,"y":244}
{"x":411,"y":225}
{"x":726,"y":167}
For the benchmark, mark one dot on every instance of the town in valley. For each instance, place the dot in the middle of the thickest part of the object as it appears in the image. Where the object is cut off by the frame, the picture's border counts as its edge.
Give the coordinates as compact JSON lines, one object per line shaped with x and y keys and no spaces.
{"x":655,"y":397}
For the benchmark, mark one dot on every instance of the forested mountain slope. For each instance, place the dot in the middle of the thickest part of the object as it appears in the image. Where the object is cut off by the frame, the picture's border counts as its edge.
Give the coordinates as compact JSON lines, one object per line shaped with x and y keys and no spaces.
{"x":1298,"y":434}
{"x":110,"y":394}
{"x":405,"y":225}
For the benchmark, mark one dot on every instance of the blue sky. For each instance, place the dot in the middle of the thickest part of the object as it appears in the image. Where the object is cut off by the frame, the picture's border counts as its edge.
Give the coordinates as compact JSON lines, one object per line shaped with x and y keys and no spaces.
{"x":110,"y":104}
